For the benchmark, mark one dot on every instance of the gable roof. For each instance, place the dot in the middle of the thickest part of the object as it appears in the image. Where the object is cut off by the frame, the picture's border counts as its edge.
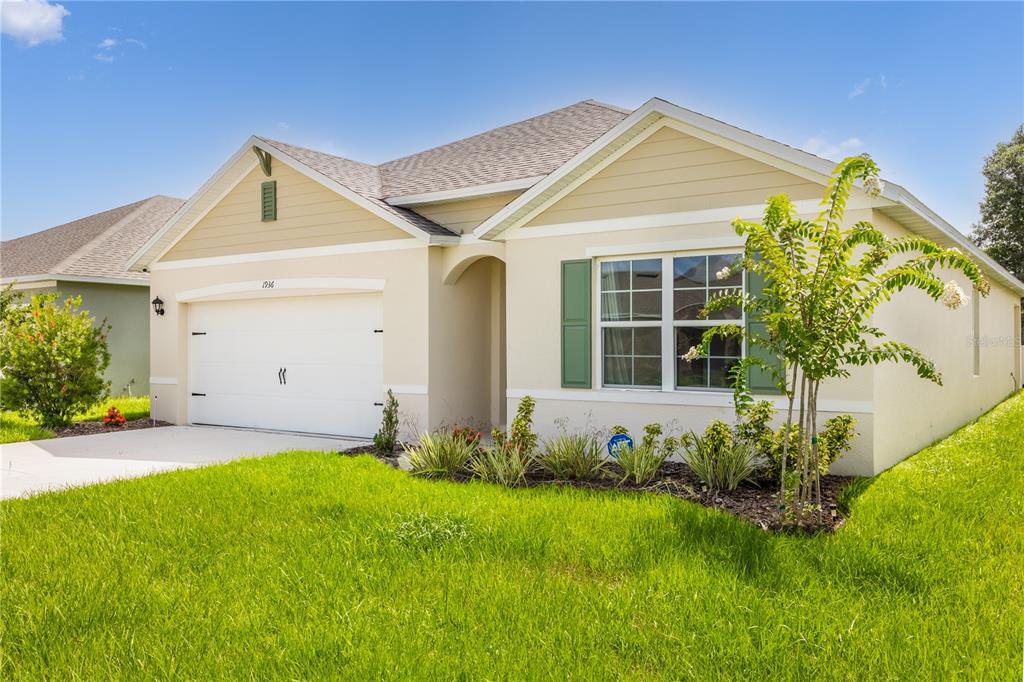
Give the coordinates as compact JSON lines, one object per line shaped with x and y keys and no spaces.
{"x":521,"y":150}
{"x":95,"y":248}
{"x":897,"y":201}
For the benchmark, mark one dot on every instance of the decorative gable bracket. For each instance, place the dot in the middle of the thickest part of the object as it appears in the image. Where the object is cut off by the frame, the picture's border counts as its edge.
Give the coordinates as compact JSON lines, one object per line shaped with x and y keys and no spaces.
{"x":264,"y":158}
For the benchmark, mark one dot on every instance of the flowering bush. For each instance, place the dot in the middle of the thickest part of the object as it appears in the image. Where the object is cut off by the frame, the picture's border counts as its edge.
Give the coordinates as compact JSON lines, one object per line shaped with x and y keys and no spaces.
{"x":113,"y":417}
{"x":52,"y":358}
{"x":468,"y":433}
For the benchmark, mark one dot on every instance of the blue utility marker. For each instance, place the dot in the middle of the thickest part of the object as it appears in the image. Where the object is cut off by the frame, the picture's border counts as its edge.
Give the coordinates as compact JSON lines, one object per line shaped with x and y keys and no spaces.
{"x":617,"y":441}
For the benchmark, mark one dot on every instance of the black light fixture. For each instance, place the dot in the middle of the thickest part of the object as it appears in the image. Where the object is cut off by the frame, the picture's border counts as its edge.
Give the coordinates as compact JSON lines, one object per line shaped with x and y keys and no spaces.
{"x":158,"y":306}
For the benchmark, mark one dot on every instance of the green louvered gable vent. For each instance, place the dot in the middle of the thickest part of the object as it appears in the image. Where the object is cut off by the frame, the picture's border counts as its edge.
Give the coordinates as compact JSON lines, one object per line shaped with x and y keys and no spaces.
{"x":576,"y":326}
{"x":268,"y":200}
{"x":759,"y":379}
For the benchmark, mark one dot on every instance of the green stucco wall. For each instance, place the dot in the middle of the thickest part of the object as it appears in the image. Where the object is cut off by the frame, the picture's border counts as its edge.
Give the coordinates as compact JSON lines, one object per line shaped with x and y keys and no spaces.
{"x":127,"y":310}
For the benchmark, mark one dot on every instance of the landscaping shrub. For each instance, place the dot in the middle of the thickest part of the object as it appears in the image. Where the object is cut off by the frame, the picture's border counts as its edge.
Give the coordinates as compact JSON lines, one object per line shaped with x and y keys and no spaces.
{"x":640,"y":464}
{"x":520,"y":435}
{"x":113,"y":417}
{"x":53,"y":358}
{"x":754,"y":428}
{"x":574,"y":456}
{"x":717,"y":459}
{"x":386,"y":438}
{"x":468,"y":434}
{"x":440,"y":454}
{"x":502,"y":464}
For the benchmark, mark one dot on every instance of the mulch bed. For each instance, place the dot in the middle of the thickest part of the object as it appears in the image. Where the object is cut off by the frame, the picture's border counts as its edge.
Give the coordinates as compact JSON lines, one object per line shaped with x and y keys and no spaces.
{"x":89,"y":428}
{"x":756,"y":503}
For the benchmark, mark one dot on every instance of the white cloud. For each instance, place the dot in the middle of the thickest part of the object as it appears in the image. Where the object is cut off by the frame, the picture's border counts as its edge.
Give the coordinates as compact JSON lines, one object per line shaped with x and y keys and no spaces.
{"x":107,"y":43}
{"x":863,"y":86}
{"x":100,"y":57}
{"x":822,"y":146}
{"x":135,"y":41}
{"x":32,"y":22}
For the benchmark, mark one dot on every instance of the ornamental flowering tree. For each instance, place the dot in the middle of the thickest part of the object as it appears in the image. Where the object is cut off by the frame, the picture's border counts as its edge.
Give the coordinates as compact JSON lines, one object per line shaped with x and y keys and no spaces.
{"x":822,"y":284}
{"x":53,"y":359}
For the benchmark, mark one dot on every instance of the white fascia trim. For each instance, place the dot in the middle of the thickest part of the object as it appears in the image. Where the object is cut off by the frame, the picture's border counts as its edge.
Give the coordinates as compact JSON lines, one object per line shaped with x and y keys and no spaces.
{"x":644,"y":222}
{"x":465,"y":192}
{"x":187,"y":206}
{"x":407,"y":389}
{"x":287,"y":254}
{"x":691,"y":398}
{"x":86,"y":279}
{"x":901,"y":196}
{"x":163,"y":381}
{"x":354,"y":197}
{"x":327,"y":284}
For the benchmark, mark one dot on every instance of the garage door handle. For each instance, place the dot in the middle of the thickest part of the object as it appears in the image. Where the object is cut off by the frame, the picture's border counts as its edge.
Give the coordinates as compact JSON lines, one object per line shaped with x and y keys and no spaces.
{"x":200,"y":394}
{"x":284,"y":375}
{"x":378,"y":404}
{"x":280,"y":379}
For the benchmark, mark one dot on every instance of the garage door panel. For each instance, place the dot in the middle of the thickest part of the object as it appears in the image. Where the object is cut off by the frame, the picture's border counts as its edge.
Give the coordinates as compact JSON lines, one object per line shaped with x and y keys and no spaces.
{"x":331,"y":347}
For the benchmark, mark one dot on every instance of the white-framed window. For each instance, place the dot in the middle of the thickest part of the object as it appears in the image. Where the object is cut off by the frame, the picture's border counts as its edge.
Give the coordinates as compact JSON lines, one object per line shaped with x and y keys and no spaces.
{"x":648,"y":317}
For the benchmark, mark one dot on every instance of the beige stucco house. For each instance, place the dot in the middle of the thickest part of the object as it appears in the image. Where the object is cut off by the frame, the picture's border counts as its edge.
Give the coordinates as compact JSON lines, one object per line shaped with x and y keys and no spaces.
{"x":562,"y":257}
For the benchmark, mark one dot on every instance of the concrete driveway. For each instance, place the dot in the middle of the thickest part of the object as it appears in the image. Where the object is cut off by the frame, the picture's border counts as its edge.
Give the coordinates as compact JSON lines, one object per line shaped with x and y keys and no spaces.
{"x":41,"y":465}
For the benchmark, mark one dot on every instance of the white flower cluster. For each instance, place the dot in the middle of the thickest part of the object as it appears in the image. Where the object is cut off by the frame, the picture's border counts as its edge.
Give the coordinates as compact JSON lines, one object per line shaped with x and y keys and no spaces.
{"x":691,"y":354}
{"x":724,"y":273}
{"x":953,"y":296}
{"x":873,"y":186}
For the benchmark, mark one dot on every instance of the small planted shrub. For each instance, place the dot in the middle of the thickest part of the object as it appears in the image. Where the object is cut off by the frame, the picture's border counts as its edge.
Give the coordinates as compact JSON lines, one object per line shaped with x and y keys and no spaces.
{"x":440,"y":455}
{"x":468,"y":434}
{"x":502,"y":464}
{"x":574,"y":456}
{"x":641,"y":463}
{"x":52,"y":360}
{"x":835,"y":439}
{"x":113,"y":418}
{"x":386,"y":438}
{"x":721,"y":462}
{"x":520,"y":434}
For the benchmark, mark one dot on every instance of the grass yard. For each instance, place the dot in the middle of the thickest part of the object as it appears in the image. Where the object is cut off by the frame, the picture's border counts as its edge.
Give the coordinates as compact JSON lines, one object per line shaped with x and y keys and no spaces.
{"x":15,"y":427}
{"x":310,"y":565}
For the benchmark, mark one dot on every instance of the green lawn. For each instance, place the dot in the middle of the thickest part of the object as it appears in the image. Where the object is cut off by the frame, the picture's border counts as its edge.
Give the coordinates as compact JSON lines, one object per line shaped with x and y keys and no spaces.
{"x":15,"y":427}
{"x":310,"y":565}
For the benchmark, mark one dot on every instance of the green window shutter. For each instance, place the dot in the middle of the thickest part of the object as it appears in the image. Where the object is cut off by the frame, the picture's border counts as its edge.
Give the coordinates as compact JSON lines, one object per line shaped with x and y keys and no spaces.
{"x":758,"y":379}
{"x":577,"y":303}
{"x":268,"y":200}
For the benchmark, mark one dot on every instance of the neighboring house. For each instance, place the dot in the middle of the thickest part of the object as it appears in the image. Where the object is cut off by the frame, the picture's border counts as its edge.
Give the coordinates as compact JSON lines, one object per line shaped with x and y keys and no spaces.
{"x":89,"y":258}
{"x":562,"y":257}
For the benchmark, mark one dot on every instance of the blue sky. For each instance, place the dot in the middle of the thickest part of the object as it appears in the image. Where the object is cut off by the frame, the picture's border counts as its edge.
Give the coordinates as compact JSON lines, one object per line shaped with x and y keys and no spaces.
{"x":119,"y":101}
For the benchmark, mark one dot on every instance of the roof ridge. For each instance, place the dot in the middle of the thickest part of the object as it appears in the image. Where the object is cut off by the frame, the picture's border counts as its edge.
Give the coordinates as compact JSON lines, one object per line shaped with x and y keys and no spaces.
{"x":485,"y":132}
{"x":93,"y":243}
{"x":315,"y":151}
{"x":606,"y":105}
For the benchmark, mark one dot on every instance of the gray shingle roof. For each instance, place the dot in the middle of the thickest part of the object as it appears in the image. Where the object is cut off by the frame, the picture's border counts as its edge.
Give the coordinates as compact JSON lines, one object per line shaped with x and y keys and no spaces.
{"x":99,"y":245}
{"x":361,"y":178}
{"x":533,"y":147}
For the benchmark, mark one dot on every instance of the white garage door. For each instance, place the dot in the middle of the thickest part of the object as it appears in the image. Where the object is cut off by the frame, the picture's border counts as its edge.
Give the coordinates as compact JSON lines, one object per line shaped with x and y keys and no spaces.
{"x":312,"y":364}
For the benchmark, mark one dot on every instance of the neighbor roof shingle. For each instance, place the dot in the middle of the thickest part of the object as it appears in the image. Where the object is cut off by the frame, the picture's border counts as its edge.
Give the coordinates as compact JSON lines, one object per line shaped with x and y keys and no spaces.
{"x":99,"y":245}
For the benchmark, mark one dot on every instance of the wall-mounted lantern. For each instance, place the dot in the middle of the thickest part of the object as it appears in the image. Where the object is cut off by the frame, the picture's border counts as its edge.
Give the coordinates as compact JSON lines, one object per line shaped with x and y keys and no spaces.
{"x":158,"y":306}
